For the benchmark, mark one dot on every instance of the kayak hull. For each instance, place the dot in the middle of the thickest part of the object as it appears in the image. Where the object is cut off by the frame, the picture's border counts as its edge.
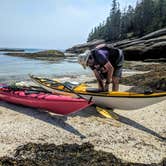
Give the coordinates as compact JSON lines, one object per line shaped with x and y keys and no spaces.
{"x":53,"y":103}
{"x":119,"y":100}
{"x":125,"y":103}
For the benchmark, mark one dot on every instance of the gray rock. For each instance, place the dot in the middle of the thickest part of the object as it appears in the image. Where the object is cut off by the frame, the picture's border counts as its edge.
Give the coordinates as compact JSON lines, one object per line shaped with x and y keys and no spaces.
{"x":151,"y":46}
{"x":82,"y":47}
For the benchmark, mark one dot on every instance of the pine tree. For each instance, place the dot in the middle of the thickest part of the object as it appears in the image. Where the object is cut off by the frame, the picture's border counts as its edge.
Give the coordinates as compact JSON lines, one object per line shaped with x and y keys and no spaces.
{"x":148,"y":15}
{"x":115,"y":18}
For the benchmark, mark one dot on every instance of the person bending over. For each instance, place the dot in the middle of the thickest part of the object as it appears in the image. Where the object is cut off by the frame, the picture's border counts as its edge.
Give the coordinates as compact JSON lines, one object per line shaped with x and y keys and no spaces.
{"x":106,"y":62}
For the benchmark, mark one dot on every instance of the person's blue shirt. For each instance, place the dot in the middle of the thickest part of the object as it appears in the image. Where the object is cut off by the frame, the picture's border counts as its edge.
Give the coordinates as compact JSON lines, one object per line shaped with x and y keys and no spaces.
{"x":103,"y":55}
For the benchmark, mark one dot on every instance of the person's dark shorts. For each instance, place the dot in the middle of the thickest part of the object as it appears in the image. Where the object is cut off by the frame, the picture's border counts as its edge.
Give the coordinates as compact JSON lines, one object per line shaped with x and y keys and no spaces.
{"x":119,"y":64}
{"x":118,"y":72}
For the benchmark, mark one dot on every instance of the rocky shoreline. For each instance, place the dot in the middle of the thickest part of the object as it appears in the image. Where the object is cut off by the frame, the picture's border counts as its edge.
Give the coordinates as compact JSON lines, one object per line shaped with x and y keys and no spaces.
{"x":149,"y":47}
{"x":154,"y":79}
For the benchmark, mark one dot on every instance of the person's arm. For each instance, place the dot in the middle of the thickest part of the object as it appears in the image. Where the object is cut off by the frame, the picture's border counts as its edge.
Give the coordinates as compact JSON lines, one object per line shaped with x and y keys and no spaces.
{"x":99,"y":79}
{"x":110,"y":69}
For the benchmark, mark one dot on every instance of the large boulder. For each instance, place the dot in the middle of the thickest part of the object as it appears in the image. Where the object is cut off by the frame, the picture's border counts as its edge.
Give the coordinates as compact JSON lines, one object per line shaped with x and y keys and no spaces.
{"x":141,"y":49}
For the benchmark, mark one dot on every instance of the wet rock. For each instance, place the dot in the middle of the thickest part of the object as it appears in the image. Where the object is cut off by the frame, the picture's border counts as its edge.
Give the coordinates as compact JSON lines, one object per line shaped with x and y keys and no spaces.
{"x":155,"y":34}
{"x":154,"y":79}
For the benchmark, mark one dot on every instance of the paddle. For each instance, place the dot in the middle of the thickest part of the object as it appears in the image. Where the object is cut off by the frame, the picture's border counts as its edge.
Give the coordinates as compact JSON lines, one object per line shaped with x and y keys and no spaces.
{"x":102,"y":111}
{"x":49,"y":83}
{"x":30,"y":88}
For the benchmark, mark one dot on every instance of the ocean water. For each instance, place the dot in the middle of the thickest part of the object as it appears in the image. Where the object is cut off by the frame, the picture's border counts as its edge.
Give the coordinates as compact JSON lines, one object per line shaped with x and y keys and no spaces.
{"x":18,"y":68}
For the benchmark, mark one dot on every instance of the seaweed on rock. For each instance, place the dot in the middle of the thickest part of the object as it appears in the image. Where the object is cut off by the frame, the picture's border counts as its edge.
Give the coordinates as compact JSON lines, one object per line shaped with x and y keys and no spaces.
{"x":66,"y":154}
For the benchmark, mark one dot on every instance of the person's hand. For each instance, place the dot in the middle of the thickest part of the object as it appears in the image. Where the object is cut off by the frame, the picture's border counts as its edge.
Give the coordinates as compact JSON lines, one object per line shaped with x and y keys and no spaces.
{"x":100,"y":85}
{"x":101,"y":88}
{"x":103,"y":69}
{"x":106,"y":88}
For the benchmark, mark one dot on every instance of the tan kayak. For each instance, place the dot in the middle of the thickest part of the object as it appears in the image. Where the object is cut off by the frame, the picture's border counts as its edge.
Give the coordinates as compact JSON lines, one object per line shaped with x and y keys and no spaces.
{"x":119,"y":100}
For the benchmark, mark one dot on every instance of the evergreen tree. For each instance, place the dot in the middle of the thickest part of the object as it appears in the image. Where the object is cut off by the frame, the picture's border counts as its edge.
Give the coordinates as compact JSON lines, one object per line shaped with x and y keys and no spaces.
{"x":127,"y":22}
{"x":160,"y":14}
{"x":148,"y":15}
{"x":115,"y":17}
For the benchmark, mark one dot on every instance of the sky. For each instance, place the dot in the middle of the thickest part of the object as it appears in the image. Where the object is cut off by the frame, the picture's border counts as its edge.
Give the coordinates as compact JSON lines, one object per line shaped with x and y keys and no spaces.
{"x":51,"y":24}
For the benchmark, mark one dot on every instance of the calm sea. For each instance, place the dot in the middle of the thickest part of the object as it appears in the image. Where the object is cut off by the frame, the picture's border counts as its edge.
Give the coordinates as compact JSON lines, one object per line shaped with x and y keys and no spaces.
{"x":18,"y":68}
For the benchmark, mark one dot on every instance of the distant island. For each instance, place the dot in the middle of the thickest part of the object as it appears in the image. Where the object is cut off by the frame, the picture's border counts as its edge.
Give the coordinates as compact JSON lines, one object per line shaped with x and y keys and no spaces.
{"x":50,"y":55}
{"x":11,"y":50}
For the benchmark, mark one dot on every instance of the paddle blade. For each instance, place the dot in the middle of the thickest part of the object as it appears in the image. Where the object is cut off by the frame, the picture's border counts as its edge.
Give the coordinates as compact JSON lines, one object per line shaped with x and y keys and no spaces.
{"x":106,"y":113}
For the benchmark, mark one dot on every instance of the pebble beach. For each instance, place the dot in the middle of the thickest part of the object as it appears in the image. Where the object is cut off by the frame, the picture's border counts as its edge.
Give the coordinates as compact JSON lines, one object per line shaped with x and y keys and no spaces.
{"x":139,"y":136}
{"x":33,"y":136}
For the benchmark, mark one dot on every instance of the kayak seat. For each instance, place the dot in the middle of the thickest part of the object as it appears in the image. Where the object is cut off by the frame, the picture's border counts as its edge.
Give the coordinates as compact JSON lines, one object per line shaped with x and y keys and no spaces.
{"x":148,"y":91}
{"x":94,"y":90}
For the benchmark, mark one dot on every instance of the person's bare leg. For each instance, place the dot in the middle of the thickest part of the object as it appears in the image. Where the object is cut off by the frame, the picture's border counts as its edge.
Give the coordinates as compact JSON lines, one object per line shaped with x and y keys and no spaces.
{"x":115,"y":83}
{"x":100,"y":85}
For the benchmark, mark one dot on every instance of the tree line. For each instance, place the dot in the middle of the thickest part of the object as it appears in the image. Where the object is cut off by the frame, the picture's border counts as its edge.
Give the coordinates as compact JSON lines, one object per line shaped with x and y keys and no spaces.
{"x":146,"y":17}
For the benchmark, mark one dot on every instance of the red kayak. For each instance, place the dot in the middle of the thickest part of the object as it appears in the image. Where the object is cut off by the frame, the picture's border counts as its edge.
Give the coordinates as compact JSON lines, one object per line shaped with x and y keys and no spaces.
{"x":54,"y":103}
